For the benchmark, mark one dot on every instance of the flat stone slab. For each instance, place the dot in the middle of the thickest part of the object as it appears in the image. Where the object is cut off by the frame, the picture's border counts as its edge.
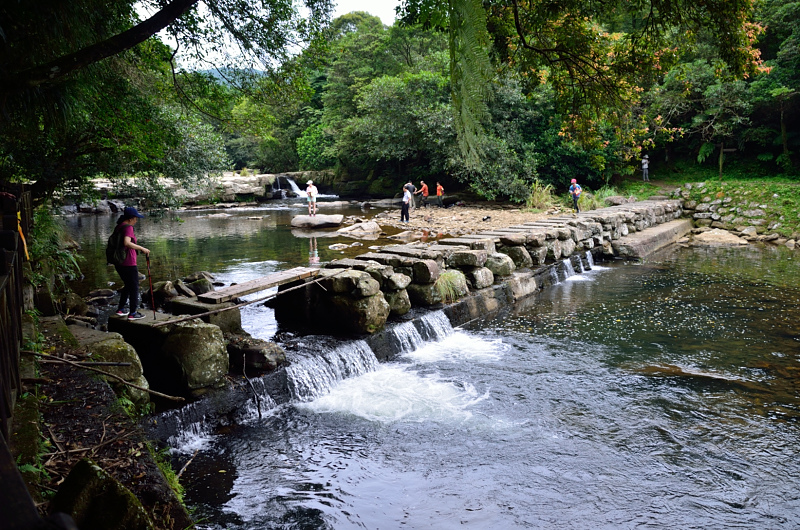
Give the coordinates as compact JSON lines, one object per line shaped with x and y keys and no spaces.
{"x":317,"y":221}
{"x":86,"y":336}
{"x":641,"y":244}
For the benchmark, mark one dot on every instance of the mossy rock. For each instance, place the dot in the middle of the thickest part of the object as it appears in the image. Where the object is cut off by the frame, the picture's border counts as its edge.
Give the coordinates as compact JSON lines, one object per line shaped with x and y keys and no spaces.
{"x":97,"y":501}
{"x":117,"y":351}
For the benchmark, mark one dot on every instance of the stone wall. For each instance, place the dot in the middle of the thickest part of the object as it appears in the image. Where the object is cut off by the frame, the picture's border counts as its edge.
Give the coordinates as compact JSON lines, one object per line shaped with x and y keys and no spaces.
{"x":712,"y":206}
{"x":349,"y":295}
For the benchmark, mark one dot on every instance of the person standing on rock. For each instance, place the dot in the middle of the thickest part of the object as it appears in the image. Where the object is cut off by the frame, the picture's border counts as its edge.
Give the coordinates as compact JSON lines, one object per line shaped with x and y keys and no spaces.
{"x":575,"y":190}
{"x":406,"y":204}
{"x":424,"y":191}
{"x":439,"y":194}
{"x":128,"y":269}
{"x":646,"y":168}
{"x":311,"y":195}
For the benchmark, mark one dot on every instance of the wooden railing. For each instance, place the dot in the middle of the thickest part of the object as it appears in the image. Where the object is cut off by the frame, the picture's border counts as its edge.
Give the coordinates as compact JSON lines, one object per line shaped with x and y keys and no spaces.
{"x":15,"y":208}
{"x":19,"y":511}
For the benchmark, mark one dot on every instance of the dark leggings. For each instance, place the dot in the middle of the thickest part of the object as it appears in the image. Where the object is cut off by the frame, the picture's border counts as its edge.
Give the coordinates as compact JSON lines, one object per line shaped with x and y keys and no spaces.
{"x":404,"y":212}
{"x":129,"y":293}
{"x":575,"y":203}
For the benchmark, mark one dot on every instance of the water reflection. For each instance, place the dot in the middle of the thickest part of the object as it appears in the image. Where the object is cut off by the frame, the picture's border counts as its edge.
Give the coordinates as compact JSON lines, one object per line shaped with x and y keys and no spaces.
{"x":183,"y":242}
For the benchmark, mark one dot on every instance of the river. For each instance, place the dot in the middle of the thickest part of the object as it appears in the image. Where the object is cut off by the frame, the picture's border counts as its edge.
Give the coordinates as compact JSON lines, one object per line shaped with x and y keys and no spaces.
{"x":661,"y":394}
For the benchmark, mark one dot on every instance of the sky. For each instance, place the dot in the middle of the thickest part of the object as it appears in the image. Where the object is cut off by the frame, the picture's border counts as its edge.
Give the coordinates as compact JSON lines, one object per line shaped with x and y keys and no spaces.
{"x":384,"y":9}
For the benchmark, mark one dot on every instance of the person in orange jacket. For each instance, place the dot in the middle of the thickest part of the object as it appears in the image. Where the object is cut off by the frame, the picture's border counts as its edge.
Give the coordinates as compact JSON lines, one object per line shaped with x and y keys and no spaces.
{"x":439,"y":194}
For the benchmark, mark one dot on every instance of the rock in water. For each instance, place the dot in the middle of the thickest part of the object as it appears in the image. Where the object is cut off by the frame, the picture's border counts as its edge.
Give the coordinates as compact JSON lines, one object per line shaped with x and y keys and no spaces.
{"x":717,"y":238}
{"x":317,"y":221}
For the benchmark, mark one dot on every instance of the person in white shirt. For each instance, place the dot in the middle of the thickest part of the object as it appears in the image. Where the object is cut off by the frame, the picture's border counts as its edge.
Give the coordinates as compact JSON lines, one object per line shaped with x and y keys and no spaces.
{"x":646,"y":168}
{"x":406,"y":204}
{"x":311,"y":195}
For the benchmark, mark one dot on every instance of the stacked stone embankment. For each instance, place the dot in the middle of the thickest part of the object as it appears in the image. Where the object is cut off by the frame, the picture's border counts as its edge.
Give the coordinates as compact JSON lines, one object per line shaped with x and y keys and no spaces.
{"x":509,"y":263}
{"x":720,"y":206}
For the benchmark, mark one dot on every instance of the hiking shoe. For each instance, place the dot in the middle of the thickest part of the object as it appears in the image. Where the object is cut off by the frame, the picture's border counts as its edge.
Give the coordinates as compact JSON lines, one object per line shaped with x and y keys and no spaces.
{"x":121,"y":313}
{"x":135,"y":316}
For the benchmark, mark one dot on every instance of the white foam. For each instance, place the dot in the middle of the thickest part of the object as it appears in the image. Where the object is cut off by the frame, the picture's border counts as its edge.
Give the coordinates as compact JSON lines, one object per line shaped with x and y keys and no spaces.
{"x":459,"y":346}
{"x":393,"y":393}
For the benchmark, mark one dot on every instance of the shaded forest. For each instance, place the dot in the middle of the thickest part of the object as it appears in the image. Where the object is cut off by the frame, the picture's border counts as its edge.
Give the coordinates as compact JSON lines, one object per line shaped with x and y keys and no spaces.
{"x":487,"y":96}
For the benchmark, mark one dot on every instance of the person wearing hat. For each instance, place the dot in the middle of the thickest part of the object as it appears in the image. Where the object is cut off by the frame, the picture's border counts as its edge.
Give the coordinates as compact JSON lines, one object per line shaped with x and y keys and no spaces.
{"x":646,"y":168}
{"x":575,"y":191}
{"x":128,"y":269}
{"x":311,"y":195}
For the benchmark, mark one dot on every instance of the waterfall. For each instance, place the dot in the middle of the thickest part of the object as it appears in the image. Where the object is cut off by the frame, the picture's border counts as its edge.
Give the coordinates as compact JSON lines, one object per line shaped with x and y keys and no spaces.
{"x":314,"y":376}
{"x":566,"y":269}
{"x":295,"y":188}
{"x":189,"y":425}
{"x":407,"y":337}
{"x":435,"y":326}
{"x":577,"y":262}
{"x":590,"y":259}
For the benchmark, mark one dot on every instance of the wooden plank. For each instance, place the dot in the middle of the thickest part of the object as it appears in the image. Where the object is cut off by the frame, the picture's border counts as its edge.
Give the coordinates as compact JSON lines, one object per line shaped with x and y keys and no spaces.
{"x":259,"y":284}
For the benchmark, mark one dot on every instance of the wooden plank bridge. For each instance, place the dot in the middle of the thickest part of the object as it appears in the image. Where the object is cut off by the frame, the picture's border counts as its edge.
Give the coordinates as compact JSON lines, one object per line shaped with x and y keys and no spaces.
{"x":259,"y":284}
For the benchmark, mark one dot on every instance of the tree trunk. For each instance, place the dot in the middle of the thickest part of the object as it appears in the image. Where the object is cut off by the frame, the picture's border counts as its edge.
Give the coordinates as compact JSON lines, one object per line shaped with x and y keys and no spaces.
{"x":721,"y":157}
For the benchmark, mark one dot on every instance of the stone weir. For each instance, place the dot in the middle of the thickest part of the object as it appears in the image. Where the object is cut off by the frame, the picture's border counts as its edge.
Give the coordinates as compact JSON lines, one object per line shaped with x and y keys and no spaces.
{"x":356,"y":296}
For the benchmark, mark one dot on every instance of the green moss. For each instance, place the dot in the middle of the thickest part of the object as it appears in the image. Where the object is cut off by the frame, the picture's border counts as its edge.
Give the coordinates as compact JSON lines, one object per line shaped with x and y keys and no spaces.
{"x":163,"y":461}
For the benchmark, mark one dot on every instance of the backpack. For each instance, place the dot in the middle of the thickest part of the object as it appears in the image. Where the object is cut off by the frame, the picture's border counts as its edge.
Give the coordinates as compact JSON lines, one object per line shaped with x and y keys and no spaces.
{"x":115,"y":248}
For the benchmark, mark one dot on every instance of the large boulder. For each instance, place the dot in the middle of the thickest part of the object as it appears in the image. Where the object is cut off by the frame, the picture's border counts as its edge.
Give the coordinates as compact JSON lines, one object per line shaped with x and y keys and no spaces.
{"x":201,"y":286}
{"x":519,"y":255}
{"x":396,"y":282}
{"x":480,"y":277}
{"x":500,"y":264}
{"x":256,"y":354}
{"x":317,"y":221}
{"x":364,"y":230}
{"x":116,"y":350}
{"x":423,"y":294}
{"x":399,"y":302}
{"x":357,"y":315}
{"x":425,"y":271}
{"x":199,"y":350}
{"x":97,"y":501}
{"x":359,"y":284}
{"x":467,"y":258}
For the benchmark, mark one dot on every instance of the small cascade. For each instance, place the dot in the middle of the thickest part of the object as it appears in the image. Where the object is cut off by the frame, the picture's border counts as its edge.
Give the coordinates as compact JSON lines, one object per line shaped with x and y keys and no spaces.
{"x":190,"y":425}
{"x":250,"y":410}
{"x":566,"y":269}
{"x":314,"y":376}
{"x":406,"y":337}
{"x":435,"y":326}
{"x":589,"y":259}
{"x":553,"y":276}
{"x":577,"y":262}
{"x":296,"y":188}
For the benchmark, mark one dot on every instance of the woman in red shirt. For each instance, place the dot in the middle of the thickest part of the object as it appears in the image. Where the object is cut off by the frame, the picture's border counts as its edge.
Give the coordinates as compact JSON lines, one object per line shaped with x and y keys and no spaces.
{"x":128,"y":270}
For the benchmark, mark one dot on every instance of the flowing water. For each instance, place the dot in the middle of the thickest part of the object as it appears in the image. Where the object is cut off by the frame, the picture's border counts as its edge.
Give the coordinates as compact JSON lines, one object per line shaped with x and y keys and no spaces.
{"x":662,"y":394}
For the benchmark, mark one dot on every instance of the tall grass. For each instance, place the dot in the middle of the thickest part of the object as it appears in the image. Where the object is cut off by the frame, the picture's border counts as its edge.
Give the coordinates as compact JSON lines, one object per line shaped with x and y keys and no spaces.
{"x":541,"y":197}
{"x":451,"y":285}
